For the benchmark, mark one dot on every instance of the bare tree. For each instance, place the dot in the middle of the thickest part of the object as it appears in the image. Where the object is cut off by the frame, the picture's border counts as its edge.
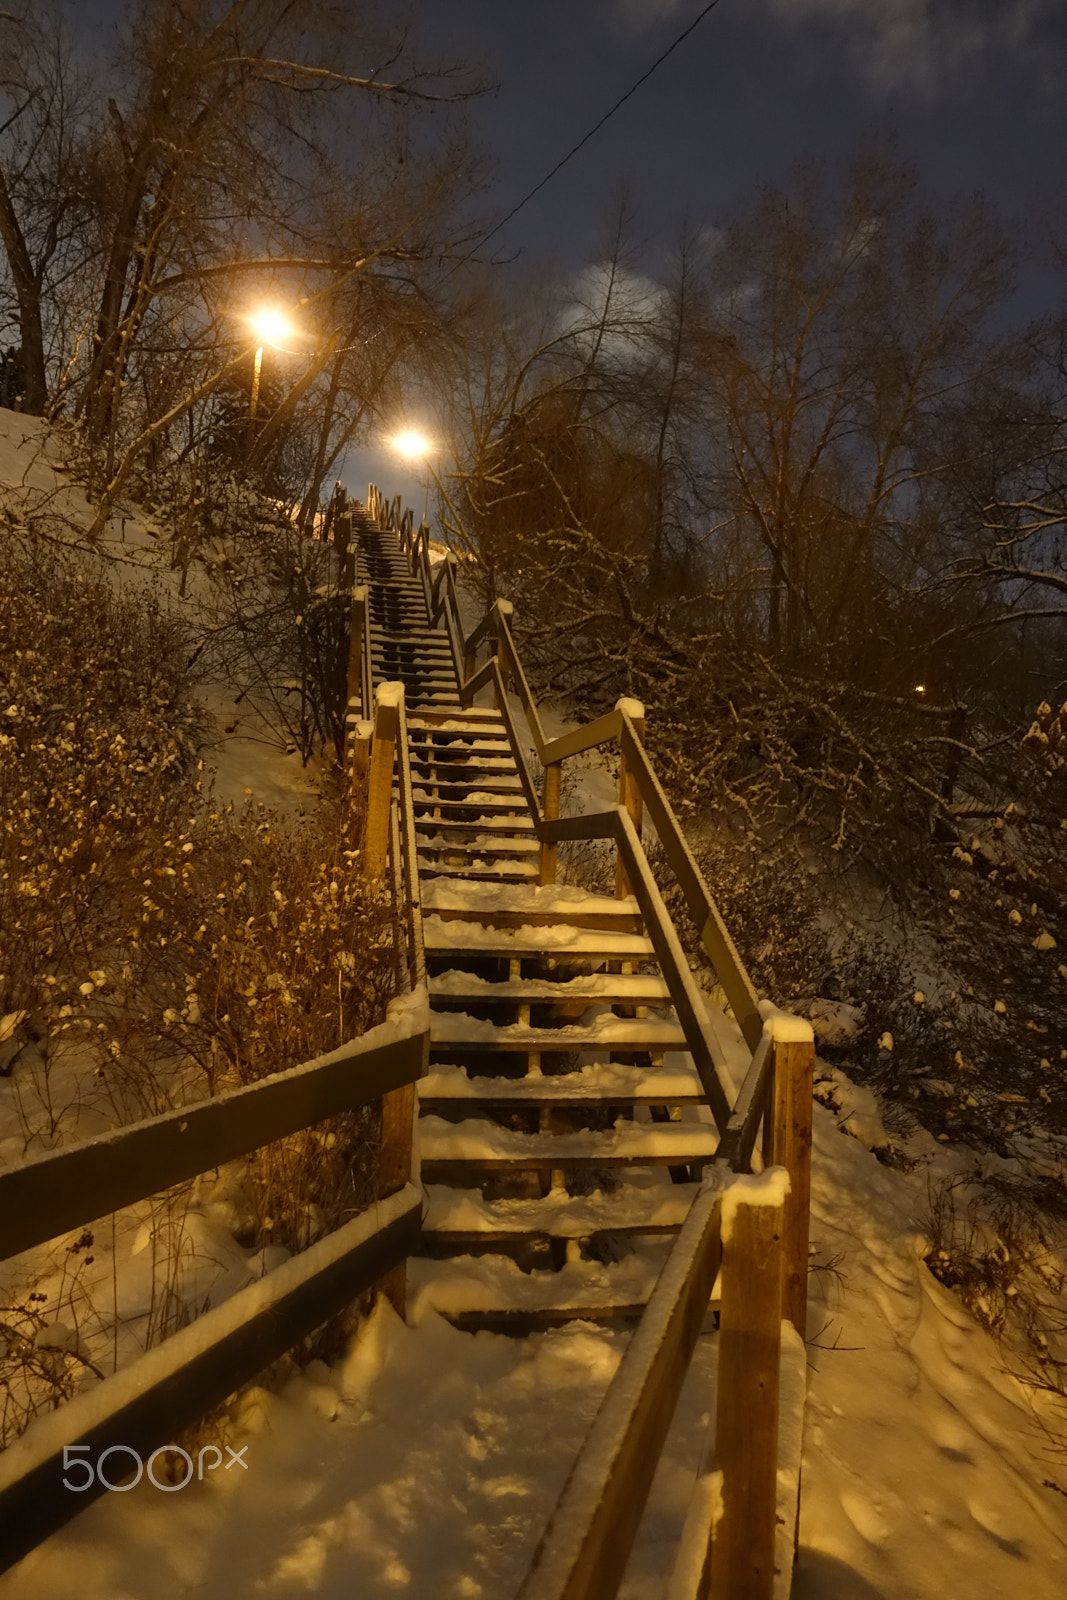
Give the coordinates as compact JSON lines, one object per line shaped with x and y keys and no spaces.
{"x":44,"y":208}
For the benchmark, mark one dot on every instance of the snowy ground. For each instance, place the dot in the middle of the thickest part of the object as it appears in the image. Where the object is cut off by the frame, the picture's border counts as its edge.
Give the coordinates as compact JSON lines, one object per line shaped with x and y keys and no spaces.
{"x":427,"y":1461}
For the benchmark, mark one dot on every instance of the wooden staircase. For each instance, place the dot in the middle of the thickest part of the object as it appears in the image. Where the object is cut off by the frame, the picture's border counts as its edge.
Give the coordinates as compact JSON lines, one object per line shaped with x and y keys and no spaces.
{"x":562,"y":1129}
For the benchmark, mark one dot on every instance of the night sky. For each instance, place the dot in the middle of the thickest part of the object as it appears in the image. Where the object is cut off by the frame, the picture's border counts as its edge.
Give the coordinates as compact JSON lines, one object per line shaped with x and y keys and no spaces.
{"x":974,"y":93}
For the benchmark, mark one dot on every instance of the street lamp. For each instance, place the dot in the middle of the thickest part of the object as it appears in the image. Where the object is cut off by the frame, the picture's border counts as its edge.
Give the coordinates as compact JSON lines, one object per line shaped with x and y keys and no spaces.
{"x":415,"y":446}
{"x":271,"y":327}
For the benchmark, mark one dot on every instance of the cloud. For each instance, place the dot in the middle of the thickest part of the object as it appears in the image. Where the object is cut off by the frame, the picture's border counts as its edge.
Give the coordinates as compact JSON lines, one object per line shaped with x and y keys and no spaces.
{"x":627,"y":301}
{"x":919,"y":44}
{"x":643,"y":12}
{"x":915,"y":45}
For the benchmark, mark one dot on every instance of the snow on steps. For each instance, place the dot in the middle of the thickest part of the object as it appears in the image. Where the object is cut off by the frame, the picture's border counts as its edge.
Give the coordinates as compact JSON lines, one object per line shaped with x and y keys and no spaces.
{"x":497,"y":1149}
{"x":501,"y":870}
{"x":603,"y":1082}
{"x":560,"y":900}
{"x":490,"y":827}
{"x":502,"y":841}
{"x":655,"y":1205}
{"x":605,"y":988}
{"x":603,"y":1031}
{"x":455,"y":937}
{"x":488,"y":1291}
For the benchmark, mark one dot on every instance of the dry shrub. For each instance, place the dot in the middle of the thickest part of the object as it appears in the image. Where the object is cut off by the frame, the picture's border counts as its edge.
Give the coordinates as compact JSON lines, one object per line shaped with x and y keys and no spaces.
{"x":98,"y":728}
{"x":1000,"y":1242}
{"x":155,"y":949}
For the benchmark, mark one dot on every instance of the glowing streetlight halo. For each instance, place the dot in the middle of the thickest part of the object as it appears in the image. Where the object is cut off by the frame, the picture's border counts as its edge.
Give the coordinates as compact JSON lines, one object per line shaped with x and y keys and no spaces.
{"x":411,"y":443}
{"x":272,"y":327}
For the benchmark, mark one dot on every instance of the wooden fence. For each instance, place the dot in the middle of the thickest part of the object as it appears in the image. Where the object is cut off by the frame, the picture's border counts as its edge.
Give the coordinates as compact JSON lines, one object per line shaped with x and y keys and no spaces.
{"x":144,"y":1405}
{"x":750,"y":1234}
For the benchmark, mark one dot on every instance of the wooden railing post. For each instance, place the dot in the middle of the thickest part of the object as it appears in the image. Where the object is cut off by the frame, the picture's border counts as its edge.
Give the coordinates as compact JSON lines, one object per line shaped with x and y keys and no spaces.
{"x":342,"y":531}
{"x":746,"y":1423}
{"x":398,"y":1106}
{"x":550,"y":812}
{"x":787,"y":1143}
{"x":347,"y":550}
{"x":394,"y":1173}
{"x":629,"y":792}
{"x":360,"y":735}
{"x":357,"y":625}
{"x":380,"y":778}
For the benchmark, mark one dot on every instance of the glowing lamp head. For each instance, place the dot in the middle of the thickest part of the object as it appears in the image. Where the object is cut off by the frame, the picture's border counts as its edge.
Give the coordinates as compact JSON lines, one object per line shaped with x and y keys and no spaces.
{"x":412,"y":444}
{"x":271,"y":327}
{"x":920,"y":688}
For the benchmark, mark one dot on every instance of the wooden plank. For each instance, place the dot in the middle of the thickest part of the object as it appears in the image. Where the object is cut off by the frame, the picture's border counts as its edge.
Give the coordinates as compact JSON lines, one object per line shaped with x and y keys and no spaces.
{"x":66,"y":1188}
{"x":150,"y":1402}
{"x":688,"y":1001}
{"x":739,"y":1139}
{"x":585,"y":1548}
{"x":510,"y":659}
{"x":629,"y":796}
{"x":716,"y":940}
{"x":530,"y":793}
{"x":469,"y":686}
{"x":602,"y":731}
{"x":357,"y":629}
{"x":746,"y":1416}
{"x":380,"y":785}
{"x":594,"y":825}
{"x":790,"y":1147}
{"x":691,"y":1575}
{"x":409,"y":848}
{"x":550,"y":813}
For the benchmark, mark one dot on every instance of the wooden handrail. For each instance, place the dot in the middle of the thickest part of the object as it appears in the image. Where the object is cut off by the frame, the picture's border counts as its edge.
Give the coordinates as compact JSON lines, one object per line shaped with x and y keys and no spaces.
{"x":585,"y":1548}
{"x":615,"y":725}
{"x":706,"y":1050}
{"x":52,"y":1193}
{"x":409,"y":850}
{"x":740,"y":992}
{"x":739,"y":1136}
{"x":175,"y":1384}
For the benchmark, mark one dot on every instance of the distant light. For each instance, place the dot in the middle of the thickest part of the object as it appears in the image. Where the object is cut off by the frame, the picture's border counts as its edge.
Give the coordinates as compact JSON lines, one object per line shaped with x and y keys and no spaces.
{"x":920,"y":688}
{"x":272,"y":327}
{"x":411,"y":443}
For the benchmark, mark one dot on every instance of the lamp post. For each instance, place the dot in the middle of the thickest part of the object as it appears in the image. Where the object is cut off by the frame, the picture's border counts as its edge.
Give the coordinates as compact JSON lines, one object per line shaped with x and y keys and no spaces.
{"x":271,"y":327}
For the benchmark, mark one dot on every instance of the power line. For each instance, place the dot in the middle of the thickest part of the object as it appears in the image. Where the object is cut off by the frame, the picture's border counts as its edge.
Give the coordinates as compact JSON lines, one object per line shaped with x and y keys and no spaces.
{"x":595,"y":129}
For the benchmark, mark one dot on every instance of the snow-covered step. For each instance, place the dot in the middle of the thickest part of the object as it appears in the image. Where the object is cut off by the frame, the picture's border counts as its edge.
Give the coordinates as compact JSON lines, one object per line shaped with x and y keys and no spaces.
{"x":492,"y":1292}
{"x":603,"y":1031}
{"x":504,"y":842}
{"x":473,"y":717}
{"x":533,"y":907}
{"x":605,"y":988}
{"x":444,"y":736}
{"x":464,"y":770}
{"x":608,"y":1083}
{"x":506,"y":870}
{"x":654,"y":1206}
{"x":415,"y":653}
{"x":552,"y":941}
{"x":450,"y":1148}
{"x":494,"y":808}
{"x":492,"y":827}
